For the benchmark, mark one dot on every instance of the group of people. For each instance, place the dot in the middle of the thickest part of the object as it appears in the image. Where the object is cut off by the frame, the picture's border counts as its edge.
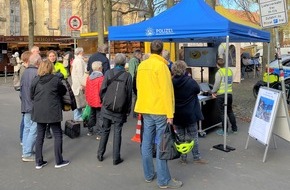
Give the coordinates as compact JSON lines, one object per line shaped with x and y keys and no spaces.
{"x":162,"y":93}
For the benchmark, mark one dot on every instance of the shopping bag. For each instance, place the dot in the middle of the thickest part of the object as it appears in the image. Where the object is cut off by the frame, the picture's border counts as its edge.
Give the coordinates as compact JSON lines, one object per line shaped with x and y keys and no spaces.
{"x":167,"y":150}
{"x":86,"y":113}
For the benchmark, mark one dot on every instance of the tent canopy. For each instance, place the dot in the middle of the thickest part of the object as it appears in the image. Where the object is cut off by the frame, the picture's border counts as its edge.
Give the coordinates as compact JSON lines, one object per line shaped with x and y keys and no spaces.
{"x":188,"y":21}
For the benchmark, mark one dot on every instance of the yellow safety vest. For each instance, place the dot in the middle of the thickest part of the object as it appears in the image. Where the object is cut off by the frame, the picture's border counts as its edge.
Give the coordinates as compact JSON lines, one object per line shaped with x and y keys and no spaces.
{"x":222,"y":72}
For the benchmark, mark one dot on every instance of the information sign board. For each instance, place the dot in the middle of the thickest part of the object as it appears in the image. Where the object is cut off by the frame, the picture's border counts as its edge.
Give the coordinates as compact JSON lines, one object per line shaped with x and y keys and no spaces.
{"x":273,"y":13}
{"x":264,"y":114}
{"x":75,"y":33}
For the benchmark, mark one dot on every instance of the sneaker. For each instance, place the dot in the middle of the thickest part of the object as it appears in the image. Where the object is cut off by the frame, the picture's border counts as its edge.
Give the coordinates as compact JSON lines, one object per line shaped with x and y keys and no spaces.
{"x":200,"y":161}
{"x":183,"y":161}
{"x":39,"y":166}
{"x":150,"y":180}
{"x":28,"y":159}
{"x":90,"y":134}
{"x":235,"y":132}
{"x":220,"y":132}
{"x":98,"y":138}
{"x":63,"y":164}
{"x":173,"y":184}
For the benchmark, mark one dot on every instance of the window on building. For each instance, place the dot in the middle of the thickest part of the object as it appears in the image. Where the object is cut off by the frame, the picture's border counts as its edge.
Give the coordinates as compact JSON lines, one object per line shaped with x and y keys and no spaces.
{"x":65,"y":14}
{"x":14,"y":18}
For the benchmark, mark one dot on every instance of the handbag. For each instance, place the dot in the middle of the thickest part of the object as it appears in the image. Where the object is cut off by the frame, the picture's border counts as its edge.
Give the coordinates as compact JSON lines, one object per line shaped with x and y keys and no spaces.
{"x":81,"y":99}
{"x":167,"y":149}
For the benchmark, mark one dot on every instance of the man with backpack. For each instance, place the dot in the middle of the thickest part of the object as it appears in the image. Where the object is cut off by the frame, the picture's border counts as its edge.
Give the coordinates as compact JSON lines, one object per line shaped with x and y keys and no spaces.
{"x":116,"y":96}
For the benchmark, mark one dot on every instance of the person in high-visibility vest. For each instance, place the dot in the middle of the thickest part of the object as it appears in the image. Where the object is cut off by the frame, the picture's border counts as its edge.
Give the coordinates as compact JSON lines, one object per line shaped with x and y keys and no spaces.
{"x":218,"y":92}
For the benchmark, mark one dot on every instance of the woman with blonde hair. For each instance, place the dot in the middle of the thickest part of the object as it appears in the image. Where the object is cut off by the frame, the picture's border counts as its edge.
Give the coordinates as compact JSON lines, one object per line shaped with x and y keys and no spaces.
{"x":46,"y":92}
{"x":60,"y":71}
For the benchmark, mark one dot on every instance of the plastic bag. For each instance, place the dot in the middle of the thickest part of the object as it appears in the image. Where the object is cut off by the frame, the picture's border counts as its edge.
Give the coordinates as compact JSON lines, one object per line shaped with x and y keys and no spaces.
{"x":86,"y":113}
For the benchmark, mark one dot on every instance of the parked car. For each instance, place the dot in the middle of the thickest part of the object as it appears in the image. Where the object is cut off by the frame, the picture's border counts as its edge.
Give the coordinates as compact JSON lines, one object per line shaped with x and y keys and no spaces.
{"x":274,"y":66}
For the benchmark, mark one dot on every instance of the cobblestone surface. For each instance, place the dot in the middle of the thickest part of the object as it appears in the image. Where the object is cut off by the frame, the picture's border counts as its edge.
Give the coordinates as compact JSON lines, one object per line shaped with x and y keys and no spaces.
{"x":244,"y":100}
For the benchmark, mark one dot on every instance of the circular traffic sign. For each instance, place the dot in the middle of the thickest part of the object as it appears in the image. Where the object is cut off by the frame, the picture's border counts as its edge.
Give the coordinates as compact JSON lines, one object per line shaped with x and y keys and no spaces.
{"x":75,"y":22}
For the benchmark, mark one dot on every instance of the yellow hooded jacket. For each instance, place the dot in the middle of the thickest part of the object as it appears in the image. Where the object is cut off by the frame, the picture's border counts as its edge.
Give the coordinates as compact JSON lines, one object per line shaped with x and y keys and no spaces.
{"x":58,"y":67}
{"x":155,"y":94}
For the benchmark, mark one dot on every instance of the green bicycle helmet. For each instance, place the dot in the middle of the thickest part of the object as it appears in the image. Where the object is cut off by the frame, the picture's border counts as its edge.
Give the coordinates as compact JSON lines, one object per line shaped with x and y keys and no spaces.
{"x":184,"y":147}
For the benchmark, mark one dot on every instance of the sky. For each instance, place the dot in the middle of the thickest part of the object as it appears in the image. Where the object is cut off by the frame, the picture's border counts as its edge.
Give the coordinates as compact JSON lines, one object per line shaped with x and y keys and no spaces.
{"x":229,"y":4}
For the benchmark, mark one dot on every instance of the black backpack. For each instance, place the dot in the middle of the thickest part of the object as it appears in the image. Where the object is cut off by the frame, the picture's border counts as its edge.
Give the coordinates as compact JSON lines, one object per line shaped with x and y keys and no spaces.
{"x":116,"y":95}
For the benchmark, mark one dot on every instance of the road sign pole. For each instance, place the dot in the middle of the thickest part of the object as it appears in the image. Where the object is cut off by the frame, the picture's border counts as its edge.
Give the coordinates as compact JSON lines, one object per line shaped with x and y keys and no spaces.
{"x":75,"y":44}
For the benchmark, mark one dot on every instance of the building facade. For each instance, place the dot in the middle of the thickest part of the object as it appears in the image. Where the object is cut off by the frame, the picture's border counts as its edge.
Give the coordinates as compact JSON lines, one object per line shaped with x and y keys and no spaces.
{"x":51,"y":16}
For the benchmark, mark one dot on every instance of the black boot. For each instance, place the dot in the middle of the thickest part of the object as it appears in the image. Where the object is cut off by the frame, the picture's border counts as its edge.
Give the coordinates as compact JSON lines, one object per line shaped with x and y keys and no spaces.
{"x":47,"y":132}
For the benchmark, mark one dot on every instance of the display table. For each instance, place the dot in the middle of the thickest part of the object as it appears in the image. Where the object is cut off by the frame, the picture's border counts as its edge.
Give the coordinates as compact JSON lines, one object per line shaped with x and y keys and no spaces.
{"x":210,"y":114}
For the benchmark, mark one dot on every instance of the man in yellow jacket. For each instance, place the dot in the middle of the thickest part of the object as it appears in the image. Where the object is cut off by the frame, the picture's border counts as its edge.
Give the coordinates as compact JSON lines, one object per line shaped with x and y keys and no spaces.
{"x":155,"y":101}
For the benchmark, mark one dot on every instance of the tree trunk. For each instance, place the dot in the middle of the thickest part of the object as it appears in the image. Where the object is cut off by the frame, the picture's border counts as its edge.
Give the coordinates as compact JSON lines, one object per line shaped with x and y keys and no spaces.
{"x":30,"y":24}
{"x":100,"y":21}
{"x":108,"y":14}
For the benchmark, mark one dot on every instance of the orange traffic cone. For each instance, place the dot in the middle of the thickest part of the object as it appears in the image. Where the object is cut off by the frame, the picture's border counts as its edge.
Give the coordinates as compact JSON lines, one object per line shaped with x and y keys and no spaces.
{"x":136,"y":137}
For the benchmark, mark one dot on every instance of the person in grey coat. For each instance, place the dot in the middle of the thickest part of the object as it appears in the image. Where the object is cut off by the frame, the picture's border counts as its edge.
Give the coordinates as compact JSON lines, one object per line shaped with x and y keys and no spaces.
{"x":46,"y":93}
{"x":29,"y":131}
{"x":117,"y":119}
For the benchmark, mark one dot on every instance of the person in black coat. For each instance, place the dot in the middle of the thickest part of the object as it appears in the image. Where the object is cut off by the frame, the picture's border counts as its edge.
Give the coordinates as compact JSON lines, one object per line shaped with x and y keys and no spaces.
{"x":117,"y":119}
{"x":187,"y":108}
{"x":46,"y":93}
{"x":99,"y":56}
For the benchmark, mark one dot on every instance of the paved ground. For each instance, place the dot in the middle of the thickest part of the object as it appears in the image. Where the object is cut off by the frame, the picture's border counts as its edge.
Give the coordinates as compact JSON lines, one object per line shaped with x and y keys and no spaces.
{"x":241,"y":169}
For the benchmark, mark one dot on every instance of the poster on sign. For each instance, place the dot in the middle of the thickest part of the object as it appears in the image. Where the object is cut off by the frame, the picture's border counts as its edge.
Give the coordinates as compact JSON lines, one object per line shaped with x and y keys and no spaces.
{"x":264,"y":114}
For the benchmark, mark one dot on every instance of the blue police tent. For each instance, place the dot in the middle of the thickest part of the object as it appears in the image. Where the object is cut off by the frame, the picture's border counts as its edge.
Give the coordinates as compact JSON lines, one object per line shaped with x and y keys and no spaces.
{"x":188,"y":21}
{"x":191,"y":21}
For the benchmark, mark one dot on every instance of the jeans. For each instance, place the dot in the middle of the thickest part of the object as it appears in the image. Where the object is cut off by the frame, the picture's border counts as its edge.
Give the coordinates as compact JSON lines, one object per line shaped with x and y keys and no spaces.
{"x":78,"y":114}
{"x":154,"y":125}
{"x":106,"y":128}
{"x":57,"y":133}
{"x":29,"y":135}
{"x":188,"y":133}
{"x":21,"y":128}
{"x":96,"y":119}
{"x":220,"y":100}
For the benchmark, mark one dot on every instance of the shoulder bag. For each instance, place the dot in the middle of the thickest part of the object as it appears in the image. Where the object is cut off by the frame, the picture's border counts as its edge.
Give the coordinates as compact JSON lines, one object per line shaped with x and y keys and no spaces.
{"x":167,"y":150}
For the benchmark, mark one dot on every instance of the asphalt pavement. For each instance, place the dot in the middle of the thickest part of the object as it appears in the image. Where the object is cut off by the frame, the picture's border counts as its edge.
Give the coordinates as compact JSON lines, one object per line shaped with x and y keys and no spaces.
{"x":240,"y":169}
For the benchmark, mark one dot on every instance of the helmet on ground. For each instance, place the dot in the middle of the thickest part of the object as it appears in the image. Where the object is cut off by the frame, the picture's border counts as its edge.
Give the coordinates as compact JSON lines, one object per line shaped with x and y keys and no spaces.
{"x":184,"y":147}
